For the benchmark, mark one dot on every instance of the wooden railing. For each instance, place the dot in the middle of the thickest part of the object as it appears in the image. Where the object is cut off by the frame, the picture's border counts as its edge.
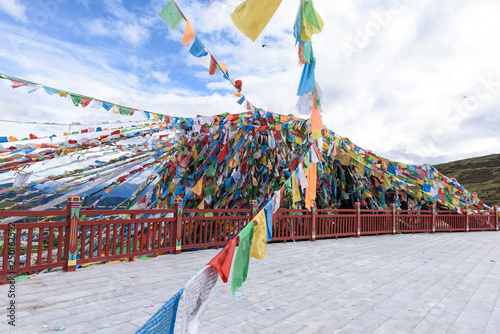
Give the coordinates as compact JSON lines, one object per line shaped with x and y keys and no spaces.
{"x":48,"y":239}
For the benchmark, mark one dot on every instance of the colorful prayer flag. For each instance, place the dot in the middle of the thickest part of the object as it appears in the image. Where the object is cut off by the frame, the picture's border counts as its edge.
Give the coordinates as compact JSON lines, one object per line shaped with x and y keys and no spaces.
{"x":222,"y":261}
{"x":163,"y":321}
{"x":258,"y":248}
{"x":252,"y":16}
{"x":171,"y":15}
{"x":197,"y":295}
{"x":242,"y":258}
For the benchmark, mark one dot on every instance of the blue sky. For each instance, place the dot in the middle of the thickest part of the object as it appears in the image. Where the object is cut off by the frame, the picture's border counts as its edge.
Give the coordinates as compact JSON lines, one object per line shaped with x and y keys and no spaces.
{"x":414,"y":82}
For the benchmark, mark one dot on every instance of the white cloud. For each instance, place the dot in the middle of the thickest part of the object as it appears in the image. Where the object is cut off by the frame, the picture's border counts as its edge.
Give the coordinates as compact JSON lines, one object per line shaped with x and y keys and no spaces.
{"x":129,"y":32}
{"x":14,"y":9}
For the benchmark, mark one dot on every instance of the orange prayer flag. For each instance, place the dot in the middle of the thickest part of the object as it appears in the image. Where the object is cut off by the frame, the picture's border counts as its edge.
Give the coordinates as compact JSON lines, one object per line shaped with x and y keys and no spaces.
{"x":107,"y":191}
{"x":237,"y":94}
{"x":311,"y":189}
{"x":12,"y":138}
{"x":222,"y":261}
{"x":189,"y":33}
{"x":223,"y":67}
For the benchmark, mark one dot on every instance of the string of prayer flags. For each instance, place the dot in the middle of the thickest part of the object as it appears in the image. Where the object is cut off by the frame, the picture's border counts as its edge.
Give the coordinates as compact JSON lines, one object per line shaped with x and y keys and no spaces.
{"x":173,"y":16}
{"x":223,"y":260}
{"x":252,"y":16}
{"x":242,"y":258}
{"x":197,"y":295}
{"x":163,"y":321}
{"x":76,"y":99}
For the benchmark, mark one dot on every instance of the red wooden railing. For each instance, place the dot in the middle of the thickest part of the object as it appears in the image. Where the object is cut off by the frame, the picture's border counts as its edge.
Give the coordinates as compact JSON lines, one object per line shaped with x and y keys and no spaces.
{"x":50,"y":239}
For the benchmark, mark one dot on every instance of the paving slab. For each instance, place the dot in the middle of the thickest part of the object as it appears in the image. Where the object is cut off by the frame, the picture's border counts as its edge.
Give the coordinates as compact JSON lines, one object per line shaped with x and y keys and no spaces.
{"x":410,"y":283}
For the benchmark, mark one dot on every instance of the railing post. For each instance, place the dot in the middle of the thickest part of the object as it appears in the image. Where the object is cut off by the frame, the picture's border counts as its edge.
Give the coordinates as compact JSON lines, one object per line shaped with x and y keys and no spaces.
{"x":433,"y":221}
{"x":178,"y":225}
{"x":253,"y":213}
{"x":357,"y":205}
{"x":497,"y":213}
{"x":393,"y":209}
{"x":467,"y":221}
{"x":313,"y":222}
{"x":71,"y":237}
{"x":129,"y":238}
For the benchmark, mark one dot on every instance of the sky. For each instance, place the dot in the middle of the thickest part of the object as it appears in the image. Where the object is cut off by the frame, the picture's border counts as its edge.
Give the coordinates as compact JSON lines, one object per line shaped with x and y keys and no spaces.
{"x":415,"y":82}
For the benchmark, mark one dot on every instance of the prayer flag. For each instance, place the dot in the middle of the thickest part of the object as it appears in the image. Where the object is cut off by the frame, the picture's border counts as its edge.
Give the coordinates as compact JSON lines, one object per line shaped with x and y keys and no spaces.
{"x":311,"y":21}
{"x":316,"y":122}
{"x":197,"y":189}
{"x":268,"y":210}
{"x":307,"y":80}
{"x":163,"y":321}
{"x":295,"y":189}
{"x":222,"y":261}
{"x":213,"y":65}
{"x":258,"y":248}
{"x":252,"y":16}
{"x":170,"y":15}
{"x":76,"y":99}
{"x":198,"y":49}
{"x":242,"y":258}
{"x":197,"y":295}
{"x":311,"y":190}
{"x":189,"y":33}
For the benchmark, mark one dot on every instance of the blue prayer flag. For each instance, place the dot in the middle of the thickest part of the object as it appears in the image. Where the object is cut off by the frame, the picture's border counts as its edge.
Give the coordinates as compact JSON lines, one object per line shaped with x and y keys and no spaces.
{"x":163,"y":321}
{"x":198,"y":49}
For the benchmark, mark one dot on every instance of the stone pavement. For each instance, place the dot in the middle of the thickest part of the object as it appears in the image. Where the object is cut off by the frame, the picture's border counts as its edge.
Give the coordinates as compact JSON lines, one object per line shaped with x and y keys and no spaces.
{"x":422,"y":283}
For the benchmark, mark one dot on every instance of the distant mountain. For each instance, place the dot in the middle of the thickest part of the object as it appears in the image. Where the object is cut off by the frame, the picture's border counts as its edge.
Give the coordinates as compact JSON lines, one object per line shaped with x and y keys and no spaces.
{"x":480,"y":175}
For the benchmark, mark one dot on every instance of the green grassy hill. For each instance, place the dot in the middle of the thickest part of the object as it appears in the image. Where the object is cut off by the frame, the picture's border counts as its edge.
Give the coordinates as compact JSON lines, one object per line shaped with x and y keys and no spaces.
{"x":480,"y":175}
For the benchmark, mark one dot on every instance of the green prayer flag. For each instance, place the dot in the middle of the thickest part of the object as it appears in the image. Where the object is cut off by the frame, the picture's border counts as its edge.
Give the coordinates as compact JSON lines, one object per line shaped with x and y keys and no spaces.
{"x":170,"y":15}
{"x":242,"y":258}
{"x":124,"y":111}
{"x":76,"y":99}
{"x":310,"y":14}
{"x":208,"y":191}
{"x":211,"y":170}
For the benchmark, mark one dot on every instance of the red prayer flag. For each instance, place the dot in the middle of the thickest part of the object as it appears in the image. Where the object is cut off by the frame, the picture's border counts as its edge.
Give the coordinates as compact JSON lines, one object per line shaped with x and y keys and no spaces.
{"x":222,"y":261}
{"x":17,"y":84}
{"x":213,"y":65}
{"x":223,"y":154}
{"x":85,"y":101}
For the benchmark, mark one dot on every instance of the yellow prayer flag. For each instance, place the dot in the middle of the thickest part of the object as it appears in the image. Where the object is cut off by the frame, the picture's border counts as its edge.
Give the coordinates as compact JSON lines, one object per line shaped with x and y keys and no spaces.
{"x":252,"y":16}
{"x":311,"y":22}
{"x":258,"y":249}
{"x":295,"y":189}
{"x":197,"y":189}
{"x":188,"y":33}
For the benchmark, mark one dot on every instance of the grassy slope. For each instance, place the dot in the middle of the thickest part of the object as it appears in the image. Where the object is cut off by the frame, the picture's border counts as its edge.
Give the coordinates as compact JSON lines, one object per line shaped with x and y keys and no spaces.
{"x":480,"y":175}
